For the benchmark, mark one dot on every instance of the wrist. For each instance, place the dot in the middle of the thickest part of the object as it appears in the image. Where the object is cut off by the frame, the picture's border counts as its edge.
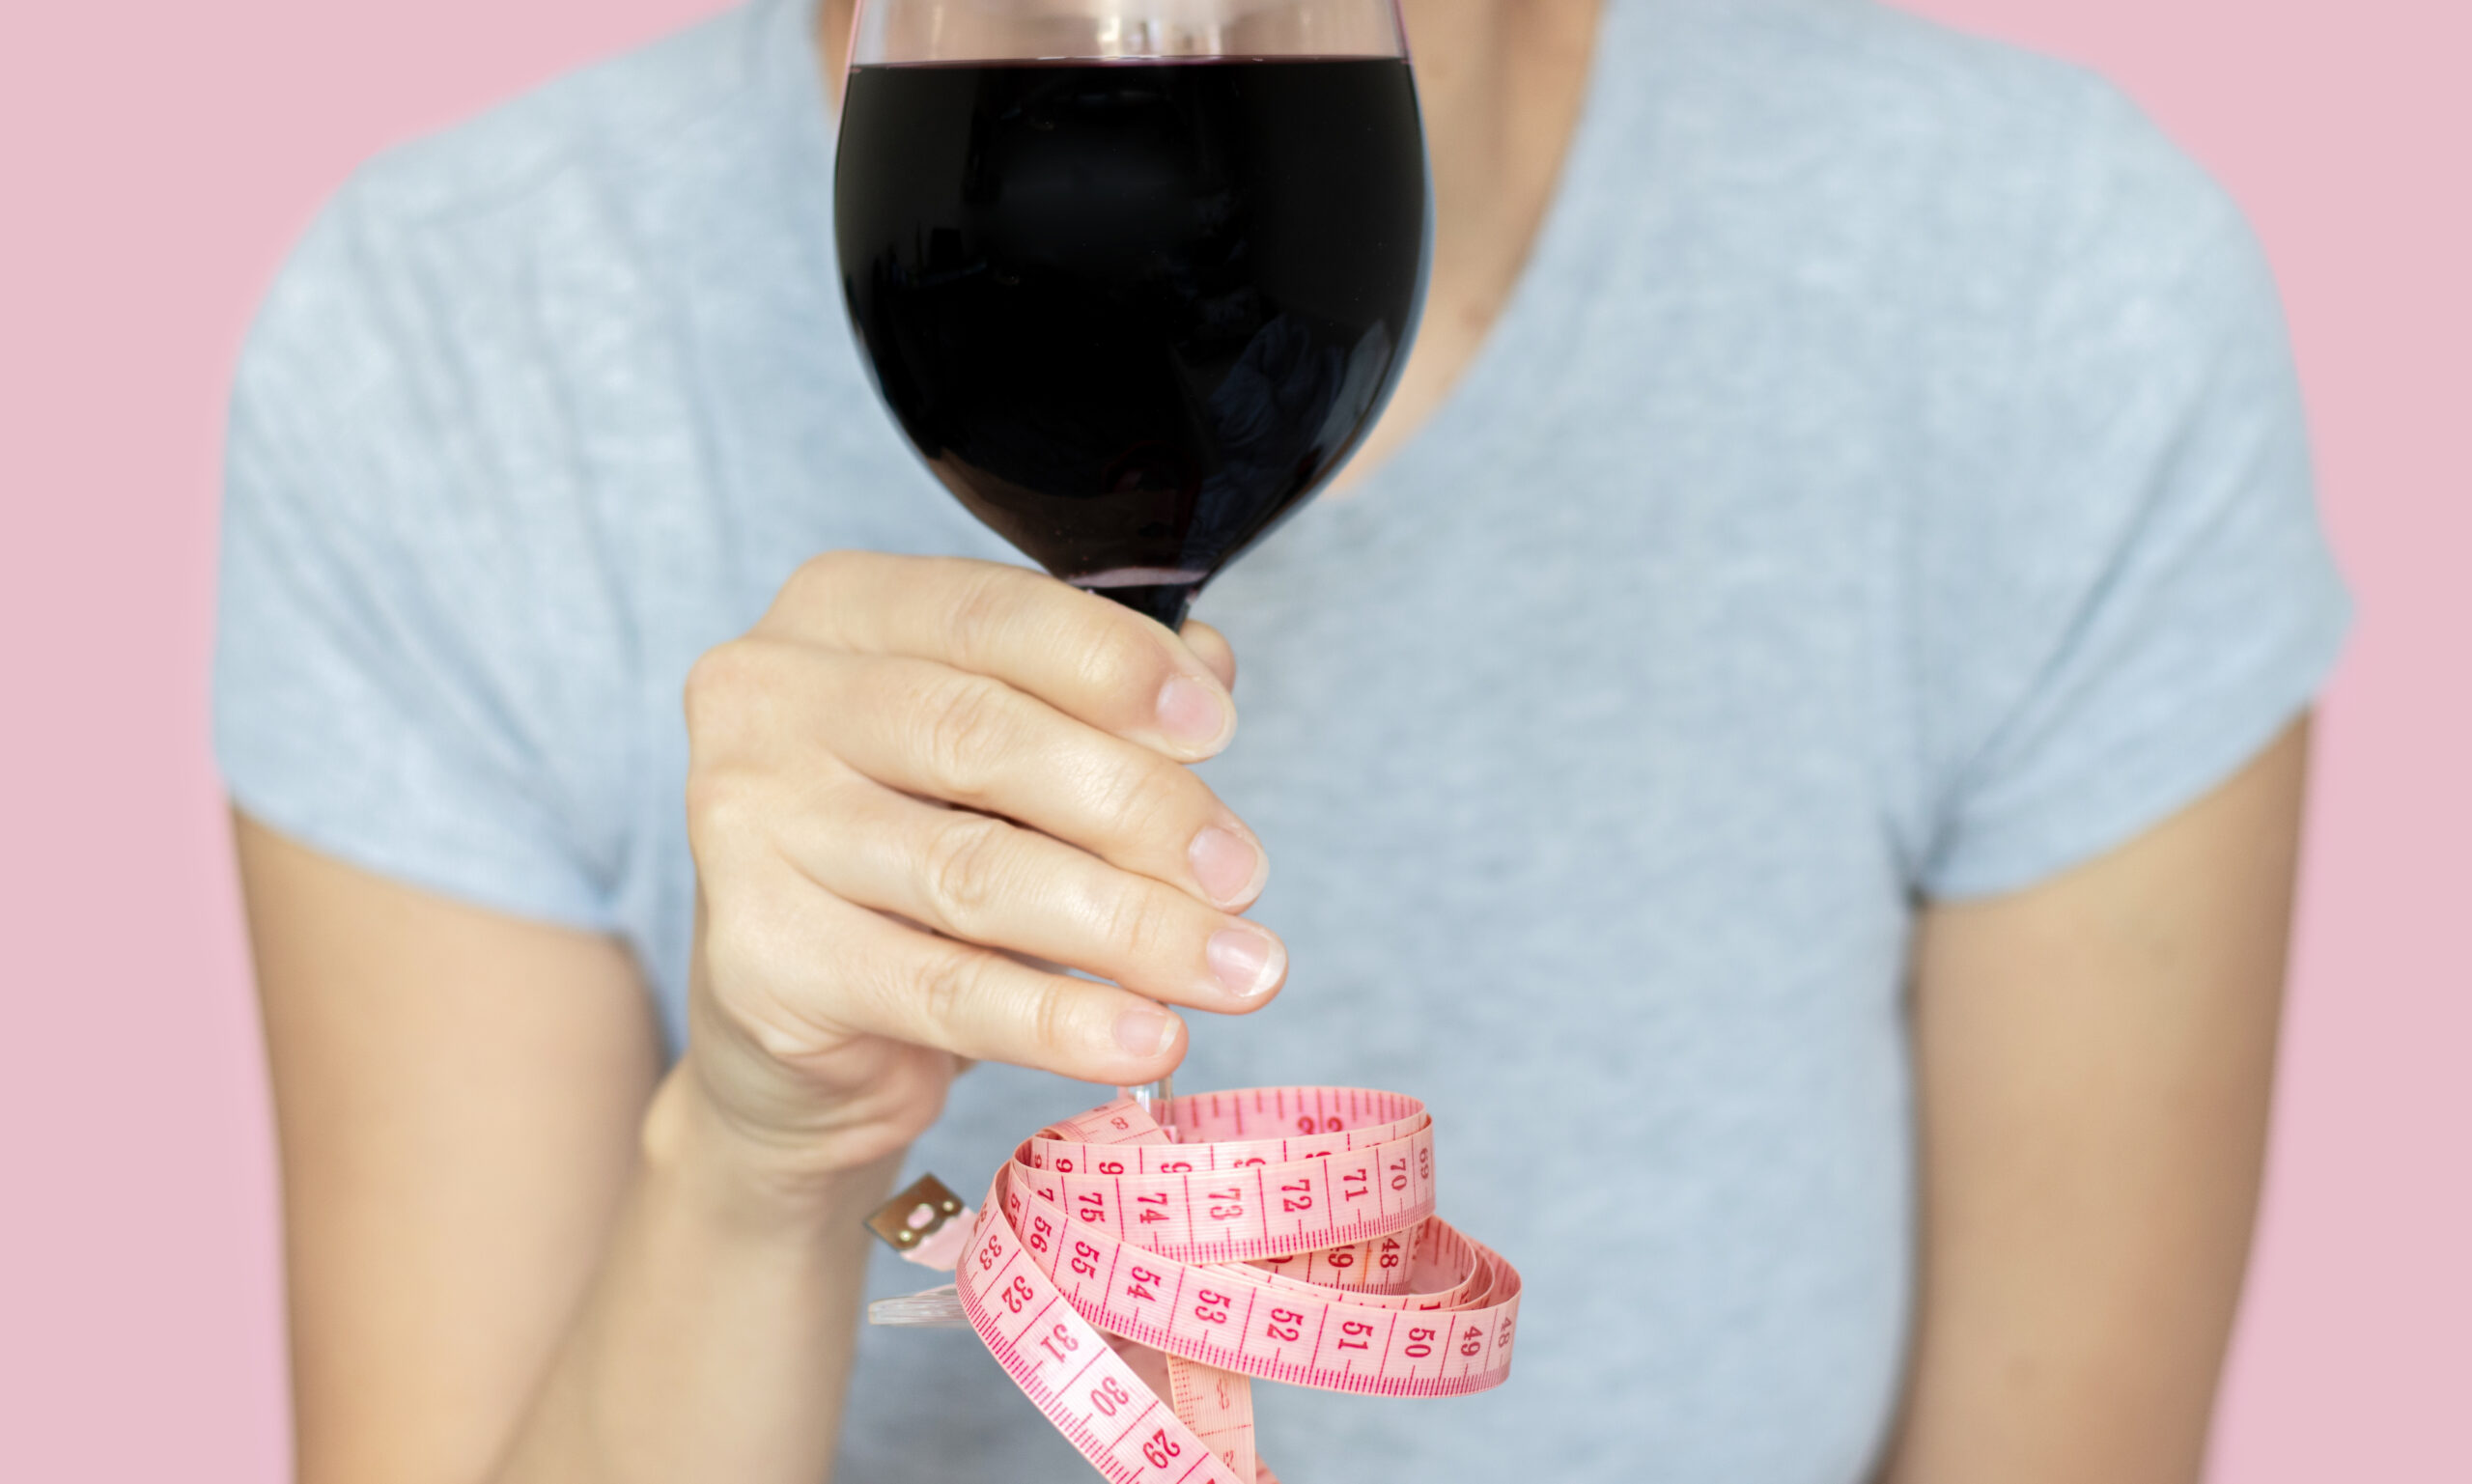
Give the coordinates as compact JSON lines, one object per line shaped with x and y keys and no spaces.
{"x":750,"y":1182}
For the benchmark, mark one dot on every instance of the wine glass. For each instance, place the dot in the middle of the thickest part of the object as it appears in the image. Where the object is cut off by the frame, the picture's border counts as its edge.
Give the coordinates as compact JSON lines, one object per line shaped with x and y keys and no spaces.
{"x":1133,"y":276}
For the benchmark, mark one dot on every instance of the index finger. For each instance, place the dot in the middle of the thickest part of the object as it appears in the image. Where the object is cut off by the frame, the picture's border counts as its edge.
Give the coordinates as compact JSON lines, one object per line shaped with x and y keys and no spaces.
{"x":1091,"y":658}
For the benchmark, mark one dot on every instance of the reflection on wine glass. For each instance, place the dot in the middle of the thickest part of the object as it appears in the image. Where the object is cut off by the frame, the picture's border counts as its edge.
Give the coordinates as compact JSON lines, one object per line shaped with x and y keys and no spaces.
{"x":1134,"y":276}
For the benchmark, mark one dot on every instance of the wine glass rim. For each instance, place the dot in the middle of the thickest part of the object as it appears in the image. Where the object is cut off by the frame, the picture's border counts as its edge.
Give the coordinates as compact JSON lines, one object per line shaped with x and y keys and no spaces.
{"x":916,"y":33}
{"x":1133,"y":59}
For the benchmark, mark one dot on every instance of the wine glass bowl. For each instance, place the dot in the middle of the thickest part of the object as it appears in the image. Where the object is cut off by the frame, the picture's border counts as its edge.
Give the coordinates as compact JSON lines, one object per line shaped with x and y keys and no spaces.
{"x":1133,"y":276}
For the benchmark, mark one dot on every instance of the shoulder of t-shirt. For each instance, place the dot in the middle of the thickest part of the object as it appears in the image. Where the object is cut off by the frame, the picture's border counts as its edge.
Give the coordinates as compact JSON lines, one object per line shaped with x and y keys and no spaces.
{"x":612,"y":122}
{"x":2107,"y":585}
{"x":437,"y":281}
{"x":1949,"y":152}
{"x":2113,"y":584}
{"x":420,"y":643}
{"x":588,"y":181}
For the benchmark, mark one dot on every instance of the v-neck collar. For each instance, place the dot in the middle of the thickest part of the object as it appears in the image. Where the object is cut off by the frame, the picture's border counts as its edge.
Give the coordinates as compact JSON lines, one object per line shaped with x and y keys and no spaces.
{"x":1549,"y":252}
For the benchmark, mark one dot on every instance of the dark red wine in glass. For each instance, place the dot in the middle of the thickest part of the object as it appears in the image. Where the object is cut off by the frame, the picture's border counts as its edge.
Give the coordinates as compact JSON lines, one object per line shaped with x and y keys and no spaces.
{"x":1134,"y":276}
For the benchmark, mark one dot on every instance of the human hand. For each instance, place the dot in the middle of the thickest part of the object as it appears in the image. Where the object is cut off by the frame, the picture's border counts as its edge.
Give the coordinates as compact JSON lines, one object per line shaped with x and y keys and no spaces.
{"x":917,"y":786}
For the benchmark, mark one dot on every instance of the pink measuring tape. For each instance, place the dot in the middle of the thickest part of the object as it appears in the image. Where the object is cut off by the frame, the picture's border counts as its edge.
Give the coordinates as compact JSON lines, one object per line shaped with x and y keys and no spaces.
{"x":1133,"y":1278}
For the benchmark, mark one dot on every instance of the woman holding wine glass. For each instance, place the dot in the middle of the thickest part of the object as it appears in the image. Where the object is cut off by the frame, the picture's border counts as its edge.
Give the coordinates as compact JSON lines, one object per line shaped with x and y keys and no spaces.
{"x":1790,"y":734}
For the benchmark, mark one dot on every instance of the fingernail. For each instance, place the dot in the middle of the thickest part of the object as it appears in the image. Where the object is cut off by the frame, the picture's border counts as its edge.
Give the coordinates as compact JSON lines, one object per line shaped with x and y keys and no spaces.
{"x":1224,"y":862}
{"x":1145,"y":1031}
{"x":1245,"y":960}
{"x":1191,"y":712}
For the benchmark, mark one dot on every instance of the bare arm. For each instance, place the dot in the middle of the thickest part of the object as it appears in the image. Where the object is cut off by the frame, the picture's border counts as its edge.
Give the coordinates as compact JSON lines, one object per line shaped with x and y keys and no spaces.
{"x":2095,"y":1055}
{"x":519,"y":1251}
{"x":469,"y":1204}
{"x":456,"y":1095}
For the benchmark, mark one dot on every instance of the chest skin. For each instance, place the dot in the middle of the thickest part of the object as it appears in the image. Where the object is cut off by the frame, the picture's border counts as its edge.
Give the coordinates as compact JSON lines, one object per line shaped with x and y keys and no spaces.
{"x":1501,"y":87}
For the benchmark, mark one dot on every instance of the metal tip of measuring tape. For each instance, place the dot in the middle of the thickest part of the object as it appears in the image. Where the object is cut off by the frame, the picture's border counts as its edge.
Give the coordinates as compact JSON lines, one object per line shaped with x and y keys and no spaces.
{"x":937,"y":1308}
{"x":1154,"y":1099}
{"x":924,"y":1208}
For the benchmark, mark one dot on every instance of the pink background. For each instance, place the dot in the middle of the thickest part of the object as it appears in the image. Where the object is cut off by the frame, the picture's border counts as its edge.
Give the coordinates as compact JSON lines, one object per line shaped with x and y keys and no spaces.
{"x":155,"y":160}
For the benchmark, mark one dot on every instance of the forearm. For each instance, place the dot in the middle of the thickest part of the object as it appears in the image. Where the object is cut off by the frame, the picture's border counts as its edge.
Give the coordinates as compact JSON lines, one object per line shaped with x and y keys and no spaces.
{"x":716,"y":1339}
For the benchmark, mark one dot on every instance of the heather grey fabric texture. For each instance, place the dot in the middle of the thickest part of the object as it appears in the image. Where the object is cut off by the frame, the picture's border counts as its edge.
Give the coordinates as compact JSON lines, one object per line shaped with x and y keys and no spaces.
{"x":1888,"y":482}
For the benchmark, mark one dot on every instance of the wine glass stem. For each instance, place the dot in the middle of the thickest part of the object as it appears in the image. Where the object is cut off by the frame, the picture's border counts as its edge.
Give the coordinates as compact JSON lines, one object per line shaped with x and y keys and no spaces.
{"x":1167,"y":603}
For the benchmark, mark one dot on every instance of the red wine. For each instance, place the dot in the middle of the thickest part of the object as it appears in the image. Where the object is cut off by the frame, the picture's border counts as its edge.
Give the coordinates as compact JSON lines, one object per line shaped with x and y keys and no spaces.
{"x":1132,"y":313}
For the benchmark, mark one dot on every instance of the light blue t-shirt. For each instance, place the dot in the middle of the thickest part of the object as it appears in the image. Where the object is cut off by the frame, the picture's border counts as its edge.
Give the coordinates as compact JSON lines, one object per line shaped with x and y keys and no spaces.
{"x":1887,"y":483}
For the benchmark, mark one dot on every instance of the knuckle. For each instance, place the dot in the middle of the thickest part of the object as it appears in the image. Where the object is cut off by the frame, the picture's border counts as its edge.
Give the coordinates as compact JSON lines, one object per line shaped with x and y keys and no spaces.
{"x":737,"y":965}
{"x":963,"y":870}
{"x":967,"y":725}
{"x":986,"y":600}
{"x":1050,"y":1016}
{"x":731,"y":801}
{"x":771,"y":973}
{"x":817,"y":578}
{"x":1149,"y":801}
{"x":737,"y":694}
{"x":716,"y":810}
{"x":947,"y":981}
{"x":718,"y":683}
{"x":1119,"y":663}
{"x":1140,"y":920}
{"x":787,"y":1043}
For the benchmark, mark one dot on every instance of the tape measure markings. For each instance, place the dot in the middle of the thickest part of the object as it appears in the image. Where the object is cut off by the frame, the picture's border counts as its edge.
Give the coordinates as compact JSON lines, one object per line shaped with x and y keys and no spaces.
{"x":1175,"y":1442}
{"x":1096,"y":1228}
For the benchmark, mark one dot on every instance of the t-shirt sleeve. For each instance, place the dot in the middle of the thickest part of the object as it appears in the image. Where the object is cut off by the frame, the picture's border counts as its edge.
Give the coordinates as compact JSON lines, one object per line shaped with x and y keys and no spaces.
{"x":363,"y":704}
{"x":2143,"y":597}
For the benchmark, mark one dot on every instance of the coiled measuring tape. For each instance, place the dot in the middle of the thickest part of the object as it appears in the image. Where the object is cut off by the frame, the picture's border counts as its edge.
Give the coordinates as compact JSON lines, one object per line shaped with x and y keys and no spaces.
{"x":1133,"y":1277}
